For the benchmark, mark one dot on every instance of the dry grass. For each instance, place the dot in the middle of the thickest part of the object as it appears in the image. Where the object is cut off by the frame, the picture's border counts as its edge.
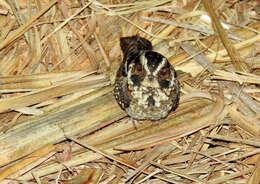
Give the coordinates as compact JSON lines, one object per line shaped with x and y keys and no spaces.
{"x":60,"y":123}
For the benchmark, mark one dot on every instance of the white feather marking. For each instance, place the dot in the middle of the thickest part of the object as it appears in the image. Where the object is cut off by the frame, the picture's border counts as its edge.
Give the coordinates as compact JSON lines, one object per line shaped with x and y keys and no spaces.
{"x":172,"y":82}
{"x":160,"y":66}
{"x":141,"y":95}
{"x":153,"y":84}
{"x":159,"y":96}
{"x":146,"y":82}
{"x":129,"y":74}
{"x":144,"y":61}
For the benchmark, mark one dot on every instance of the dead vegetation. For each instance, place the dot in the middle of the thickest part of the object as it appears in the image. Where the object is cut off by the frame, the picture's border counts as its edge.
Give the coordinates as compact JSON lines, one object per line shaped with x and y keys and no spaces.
{"x":61,"y":124}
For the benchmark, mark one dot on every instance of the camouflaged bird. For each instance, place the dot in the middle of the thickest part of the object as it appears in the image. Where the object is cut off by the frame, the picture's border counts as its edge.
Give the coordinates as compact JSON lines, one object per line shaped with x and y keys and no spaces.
{"x":146,"y":86}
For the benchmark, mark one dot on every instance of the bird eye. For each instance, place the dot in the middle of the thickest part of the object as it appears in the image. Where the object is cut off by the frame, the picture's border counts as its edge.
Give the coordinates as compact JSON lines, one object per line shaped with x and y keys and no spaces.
{"x":164,"y":71}
{"x":139,"y":67}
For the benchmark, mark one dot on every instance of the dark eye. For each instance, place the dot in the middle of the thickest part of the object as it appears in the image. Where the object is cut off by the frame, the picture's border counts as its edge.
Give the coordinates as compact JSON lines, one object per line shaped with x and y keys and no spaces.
{"x":139,"y":67}
{"x":164,"y":71}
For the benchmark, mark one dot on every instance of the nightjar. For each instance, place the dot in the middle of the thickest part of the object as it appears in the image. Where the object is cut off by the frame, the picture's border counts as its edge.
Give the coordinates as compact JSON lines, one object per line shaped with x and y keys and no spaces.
{"x":146,"y":86}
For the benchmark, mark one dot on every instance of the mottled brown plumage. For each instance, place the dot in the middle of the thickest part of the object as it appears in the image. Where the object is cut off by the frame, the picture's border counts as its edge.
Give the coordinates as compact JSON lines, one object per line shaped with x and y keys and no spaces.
{"x":146,"y":86}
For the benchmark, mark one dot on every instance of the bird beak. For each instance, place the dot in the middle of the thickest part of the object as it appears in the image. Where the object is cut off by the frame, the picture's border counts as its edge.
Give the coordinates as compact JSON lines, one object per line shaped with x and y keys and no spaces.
{"x":150,"y":82}
{"x":150,"y":77}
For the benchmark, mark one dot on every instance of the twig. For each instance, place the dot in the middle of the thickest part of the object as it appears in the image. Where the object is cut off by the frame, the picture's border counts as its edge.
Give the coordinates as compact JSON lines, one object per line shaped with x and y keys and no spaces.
{"x":26,"y":26}
{"x":231,"y":139}
{"x":235,"y":57}
{"x":177,"y":172}
{"x":115,"y":158}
